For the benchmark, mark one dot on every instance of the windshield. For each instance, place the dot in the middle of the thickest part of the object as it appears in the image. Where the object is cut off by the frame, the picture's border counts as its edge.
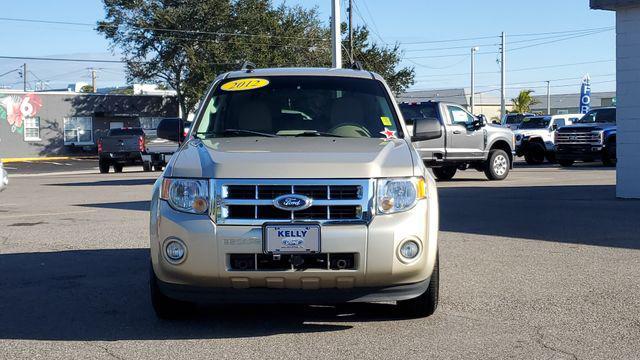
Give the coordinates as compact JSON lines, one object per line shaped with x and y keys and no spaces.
{"x":599,"y":116}
{"x":513,"y":118}
{"x":535,"y":122}
{"x":411,"y":112}
{"x":299,"y":106}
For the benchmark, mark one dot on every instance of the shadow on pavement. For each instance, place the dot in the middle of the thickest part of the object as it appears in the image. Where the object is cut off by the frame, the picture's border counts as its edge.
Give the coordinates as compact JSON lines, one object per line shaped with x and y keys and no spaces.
{"x":142,"y":205}
{"x":117,"y":182}
{"x":102,"y":295}
{"x":588,"y":215}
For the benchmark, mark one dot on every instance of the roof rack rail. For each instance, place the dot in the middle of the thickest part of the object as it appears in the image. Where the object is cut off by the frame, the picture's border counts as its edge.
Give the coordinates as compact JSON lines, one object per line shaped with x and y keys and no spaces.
{"x":357,"y":65}
{"x":248,"y":65}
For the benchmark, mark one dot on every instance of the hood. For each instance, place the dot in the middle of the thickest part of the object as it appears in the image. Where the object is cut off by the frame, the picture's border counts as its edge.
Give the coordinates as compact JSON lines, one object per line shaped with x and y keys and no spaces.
{"x":291,"y":157}
{"x":528,"y":132}
{"x":587,"y":127}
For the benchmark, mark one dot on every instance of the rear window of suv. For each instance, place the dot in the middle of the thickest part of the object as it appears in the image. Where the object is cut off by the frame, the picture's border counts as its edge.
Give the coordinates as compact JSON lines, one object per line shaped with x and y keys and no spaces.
{"x":299,"y":106}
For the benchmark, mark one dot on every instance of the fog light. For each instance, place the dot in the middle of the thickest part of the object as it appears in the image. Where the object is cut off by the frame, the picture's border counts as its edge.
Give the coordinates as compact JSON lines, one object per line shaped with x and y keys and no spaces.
{"x":409,"y":249}
{"x":175,"y":251}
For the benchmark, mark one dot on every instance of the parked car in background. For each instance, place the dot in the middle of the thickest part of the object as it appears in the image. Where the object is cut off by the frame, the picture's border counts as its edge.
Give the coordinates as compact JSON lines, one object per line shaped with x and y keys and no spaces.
{"x":536,"y":135}
{"x":121,"y":147}
{"x":295,"y":186}
{"x":512,"y":121}
{"x":591,"y":138}
{"x":4,"y":177}
{"x":466,"y":142}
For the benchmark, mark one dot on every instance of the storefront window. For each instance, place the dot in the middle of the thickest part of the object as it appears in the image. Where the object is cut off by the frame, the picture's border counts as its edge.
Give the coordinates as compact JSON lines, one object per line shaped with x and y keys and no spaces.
{"x":78,"y":131}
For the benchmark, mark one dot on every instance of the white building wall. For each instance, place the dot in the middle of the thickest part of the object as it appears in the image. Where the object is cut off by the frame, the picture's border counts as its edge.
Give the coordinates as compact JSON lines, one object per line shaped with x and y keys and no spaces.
{"x":628,"y":101}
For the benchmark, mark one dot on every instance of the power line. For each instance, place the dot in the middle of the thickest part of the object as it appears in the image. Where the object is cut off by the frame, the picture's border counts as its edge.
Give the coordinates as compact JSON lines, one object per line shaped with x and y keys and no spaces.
{"x":59,"y":59}
{"x":200,"y":32}
{"x":523,"y":69}
{"x":449,"y":48}
{"x":562,"y":32}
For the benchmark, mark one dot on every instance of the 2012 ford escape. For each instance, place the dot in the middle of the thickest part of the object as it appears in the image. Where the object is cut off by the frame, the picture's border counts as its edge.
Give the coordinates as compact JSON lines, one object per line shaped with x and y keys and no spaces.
{"x":295,"y":185}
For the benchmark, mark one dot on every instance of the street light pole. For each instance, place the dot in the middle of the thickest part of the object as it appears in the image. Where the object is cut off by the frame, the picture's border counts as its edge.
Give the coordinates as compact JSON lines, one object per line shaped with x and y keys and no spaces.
{"x":473,"y":75}
{"x":548,"y":97}
{"x":336,"y":50}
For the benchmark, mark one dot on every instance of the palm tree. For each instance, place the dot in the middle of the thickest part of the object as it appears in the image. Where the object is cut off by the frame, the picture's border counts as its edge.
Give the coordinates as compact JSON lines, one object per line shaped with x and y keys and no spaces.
{"x":523,"y":102}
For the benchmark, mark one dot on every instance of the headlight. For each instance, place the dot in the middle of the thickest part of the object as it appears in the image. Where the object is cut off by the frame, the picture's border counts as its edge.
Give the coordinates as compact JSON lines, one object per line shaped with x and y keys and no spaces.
{"x":187,"y":195}
{"x":396,"y":195}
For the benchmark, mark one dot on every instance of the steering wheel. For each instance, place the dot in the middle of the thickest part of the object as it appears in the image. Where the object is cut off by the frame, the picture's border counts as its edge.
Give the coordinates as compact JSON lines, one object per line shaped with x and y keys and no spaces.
{"x":350,"y":130}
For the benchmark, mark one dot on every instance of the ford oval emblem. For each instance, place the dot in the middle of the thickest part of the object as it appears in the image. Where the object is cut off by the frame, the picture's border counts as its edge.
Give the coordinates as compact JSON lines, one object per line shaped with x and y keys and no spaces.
{"x":292,"y":202}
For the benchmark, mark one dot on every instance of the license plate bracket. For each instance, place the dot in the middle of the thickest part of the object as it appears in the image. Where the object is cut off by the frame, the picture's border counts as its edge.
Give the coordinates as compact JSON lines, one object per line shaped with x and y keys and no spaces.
{"x":291,"y":238}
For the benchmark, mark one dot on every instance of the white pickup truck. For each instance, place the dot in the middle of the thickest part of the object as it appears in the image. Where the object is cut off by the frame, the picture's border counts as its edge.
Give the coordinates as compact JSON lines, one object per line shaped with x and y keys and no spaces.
{"x":535,"y":136}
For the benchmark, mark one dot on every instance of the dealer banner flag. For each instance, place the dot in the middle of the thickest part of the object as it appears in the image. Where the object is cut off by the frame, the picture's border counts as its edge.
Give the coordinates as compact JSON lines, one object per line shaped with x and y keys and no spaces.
{"x":585,"y":95}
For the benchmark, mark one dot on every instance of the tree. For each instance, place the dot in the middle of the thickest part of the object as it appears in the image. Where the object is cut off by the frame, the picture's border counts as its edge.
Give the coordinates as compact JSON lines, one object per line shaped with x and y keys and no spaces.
{"x":523,"y":102}
{"x":381,"y":59}
{"x":86,"y":89}
{"x":209,"y":37}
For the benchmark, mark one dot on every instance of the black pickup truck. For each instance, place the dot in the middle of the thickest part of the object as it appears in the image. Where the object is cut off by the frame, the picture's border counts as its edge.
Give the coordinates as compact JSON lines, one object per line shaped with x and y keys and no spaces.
{"x":121,"y":147}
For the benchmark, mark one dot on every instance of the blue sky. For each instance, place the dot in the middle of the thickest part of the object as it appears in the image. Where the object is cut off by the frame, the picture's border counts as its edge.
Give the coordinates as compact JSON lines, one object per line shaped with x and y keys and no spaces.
{"x":406,"y":21}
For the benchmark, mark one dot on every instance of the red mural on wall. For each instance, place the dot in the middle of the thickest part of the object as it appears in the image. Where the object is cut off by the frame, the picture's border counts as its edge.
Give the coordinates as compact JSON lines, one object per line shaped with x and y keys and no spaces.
{"x":15,"y":108}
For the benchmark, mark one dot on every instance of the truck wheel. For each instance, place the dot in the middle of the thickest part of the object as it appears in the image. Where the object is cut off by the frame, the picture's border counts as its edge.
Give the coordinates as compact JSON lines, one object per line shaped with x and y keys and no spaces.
{"x":444,"y":173}
{"x":565,"y":163}
{"x":117,"y":168}
{"x":534,"y":155}
{"x":427,"y":303}
{"x":157,"y":167}
{"x":146,"y":166}
{"x":497,"y":165}
{"x":609,"y":154}
{"x":164,"y":306}
{"x":104,"y":166}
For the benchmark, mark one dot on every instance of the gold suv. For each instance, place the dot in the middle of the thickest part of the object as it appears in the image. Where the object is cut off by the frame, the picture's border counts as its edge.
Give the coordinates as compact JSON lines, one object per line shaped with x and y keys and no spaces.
{"x":295,"y":185}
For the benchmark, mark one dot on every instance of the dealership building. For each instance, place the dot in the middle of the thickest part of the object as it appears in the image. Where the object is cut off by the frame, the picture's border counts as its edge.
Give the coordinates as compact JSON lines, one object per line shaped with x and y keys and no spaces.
{"x":34,"y":124}
{"x":628,"y":93}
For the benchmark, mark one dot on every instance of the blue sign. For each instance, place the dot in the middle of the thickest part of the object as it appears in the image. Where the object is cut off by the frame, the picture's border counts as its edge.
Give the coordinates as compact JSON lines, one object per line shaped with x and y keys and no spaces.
{"x":585,"y":95}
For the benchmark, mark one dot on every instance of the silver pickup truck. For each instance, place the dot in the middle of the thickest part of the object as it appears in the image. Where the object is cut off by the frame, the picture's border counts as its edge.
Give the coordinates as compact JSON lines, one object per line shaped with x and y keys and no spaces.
{"x":467,"y":141}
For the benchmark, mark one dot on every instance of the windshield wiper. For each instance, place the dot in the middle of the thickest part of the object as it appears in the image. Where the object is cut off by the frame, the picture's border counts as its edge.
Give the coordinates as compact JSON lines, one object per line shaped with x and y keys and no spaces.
{"x":236,"y":132}
{"x":316,"y":133}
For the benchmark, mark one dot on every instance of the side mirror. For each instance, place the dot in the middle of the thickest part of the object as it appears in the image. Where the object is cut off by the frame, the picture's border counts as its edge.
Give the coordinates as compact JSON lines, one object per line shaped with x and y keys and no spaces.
{"x":554,"y":127}
{"x":171,"y":129}
{"x":426,"y":129}
{"x":482,"y":118}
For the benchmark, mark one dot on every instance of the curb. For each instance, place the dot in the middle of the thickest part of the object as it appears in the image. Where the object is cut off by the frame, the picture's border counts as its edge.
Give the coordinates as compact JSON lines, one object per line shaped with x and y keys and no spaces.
{"x":52,"y":158}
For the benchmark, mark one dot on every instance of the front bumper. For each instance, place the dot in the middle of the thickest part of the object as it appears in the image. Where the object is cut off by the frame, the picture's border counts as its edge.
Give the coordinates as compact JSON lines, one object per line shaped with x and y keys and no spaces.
{"x":578,"y":152}
{"x":379,"y":274}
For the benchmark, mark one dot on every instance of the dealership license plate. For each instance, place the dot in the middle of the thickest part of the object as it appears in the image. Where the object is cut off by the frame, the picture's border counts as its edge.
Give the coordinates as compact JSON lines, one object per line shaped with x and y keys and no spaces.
{"x":282,"y":239}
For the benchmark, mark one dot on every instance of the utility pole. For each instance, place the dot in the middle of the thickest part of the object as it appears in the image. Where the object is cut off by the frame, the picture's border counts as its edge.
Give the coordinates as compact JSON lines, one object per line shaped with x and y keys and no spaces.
{"x":548,"y":97}
{"x":336,"y":43}
{"x":503,"y":76}
{"x":473,"y":75}
{"x":351,"y":31}
{"x":24,"y":77}
{"x":93,"y":80}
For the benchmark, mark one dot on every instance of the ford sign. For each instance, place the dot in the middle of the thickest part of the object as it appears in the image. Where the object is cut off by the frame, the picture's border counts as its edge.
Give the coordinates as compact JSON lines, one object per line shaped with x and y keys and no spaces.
{"x":292,"y":202}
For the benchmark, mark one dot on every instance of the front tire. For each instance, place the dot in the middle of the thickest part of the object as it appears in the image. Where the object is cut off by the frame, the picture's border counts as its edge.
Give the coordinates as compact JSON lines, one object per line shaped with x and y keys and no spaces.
{"x":565,"y":163}
{"x":164,"y":306}
{"x":444,"y":173}
{"x":497,"y":165}
{"x":609,"y":154}
{"x":534,"y":154}
{"x":427,"y":303}
{"x":117,"y":168}
{"x":146,"y":166}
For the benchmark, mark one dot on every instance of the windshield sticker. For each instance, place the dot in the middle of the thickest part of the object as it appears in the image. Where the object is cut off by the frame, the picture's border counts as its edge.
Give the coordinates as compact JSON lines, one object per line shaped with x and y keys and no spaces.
{"x":388,"y":134}
{"x":386,"y":121}
{"x":245,"y":84}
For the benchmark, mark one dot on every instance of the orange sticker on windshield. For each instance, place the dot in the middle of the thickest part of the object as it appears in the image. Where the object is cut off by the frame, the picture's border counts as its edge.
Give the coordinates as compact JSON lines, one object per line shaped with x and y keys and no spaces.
{"x":245,"y":84}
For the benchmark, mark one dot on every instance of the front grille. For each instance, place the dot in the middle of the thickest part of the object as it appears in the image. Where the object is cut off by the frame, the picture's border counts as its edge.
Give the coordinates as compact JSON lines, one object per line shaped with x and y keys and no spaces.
{"x":270,"y":262}
{"x":251,"y":202}
{"x":577,"y":138}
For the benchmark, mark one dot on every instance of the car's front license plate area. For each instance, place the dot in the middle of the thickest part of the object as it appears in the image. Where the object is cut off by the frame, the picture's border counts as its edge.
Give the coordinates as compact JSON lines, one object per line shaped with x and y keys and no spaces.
{"x":291,"y":238}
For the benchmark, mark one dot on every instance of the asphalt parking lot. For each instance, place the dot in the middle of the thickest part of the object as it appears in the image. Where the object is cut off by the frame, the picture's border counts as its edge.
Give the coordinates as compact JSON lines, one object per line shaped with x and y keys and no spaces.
{"x":543,"y":265}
